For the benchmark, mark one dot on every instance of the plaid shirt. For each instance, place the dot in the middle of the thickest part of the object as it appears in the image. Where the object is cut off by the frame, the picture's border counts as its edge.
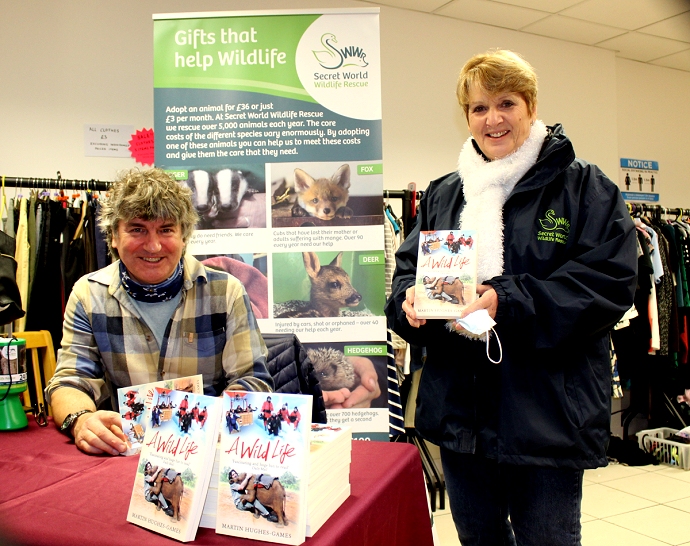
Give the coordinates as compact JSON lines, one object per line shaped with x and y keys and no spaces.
{"x":106,"y":345}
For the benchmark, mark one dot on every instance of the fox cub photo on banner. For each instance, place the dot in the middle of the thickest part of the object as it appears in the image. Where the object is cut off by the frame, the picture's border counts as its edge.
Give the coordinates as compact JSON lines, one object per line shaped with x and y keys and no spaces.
{"x":324,"y":194}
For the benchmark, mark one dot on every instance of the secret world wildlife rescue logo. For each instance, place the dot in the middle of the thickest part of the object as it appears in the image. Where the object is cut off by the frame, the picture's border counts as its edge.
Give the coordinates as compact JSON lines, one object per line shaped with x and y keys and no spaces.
{"x":553,"y":228}
{"x":342,"y":65}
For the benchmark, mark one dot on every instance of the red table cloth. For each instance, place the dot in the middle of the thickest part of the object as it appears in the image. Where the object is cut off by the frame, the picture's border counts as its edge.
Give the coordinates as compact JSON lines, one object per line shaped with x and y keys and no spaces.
{"x":53,"y":494}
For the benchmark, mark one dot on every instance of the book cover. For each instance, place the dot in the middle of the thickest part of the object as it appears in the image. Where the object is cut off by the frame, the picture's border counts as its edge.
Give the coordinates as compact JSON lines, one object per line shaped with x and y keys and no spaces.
{"x":264,"y":466}
{"x":175,"y":464}
{"x":446,"y":273}
{"x":135,"y":404}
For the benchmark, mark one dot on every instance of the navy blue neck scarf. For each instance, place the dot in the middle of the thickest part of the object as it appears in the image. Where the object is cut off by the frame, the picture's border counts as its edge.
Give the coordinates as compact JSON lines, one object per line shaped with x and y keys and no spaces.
{"x":151,"y":293}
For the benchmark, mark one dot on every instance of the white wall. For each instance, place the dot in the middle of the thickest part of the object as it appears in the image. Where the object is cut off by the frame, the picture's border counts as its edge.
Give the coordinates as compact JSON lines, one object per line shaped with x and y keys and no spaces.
{"x":74,"y":62}
{"x":423,"y":126}
{"x":653,"y":112}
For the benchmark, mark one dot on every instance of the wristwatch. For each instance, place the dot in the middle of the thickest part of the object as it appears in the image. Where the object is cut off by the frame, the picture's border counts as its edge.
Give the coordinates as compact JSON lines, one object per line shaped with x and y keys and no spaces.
{"x":66,"y":426}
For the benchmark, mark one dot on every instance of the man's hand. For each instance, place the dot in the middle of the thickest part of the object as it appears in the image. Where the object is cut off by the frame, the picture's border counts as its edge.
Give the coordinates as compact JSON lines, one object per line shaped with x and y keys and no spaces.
{"x":94,"y":433}
{"x":100,"y":432}
{"x":408,"y":307}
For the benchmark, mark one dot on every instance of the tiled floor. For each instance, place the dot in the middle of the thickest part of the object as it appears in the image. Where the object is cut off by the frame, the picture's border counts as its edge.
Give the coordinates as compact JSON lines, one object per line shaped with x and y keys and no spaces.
{"x":621,"y":506}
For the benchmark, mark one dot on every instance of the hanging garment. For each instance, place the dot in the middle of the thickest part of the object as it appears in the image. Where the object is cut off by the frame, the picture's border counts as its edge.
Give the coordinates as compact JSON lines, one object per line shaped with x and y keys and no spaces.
{"x":396,"y":419}
{"x":682,"y":241}
{"x":390,"y":246}
{"x":31,"y":235}
{"x":102,"y":255}
{"x":671,"y":231}
{"x":46,"y":311}
{"x":10,"y":301}
{"x":616,"y":388}
{"x":665,"y":297}
{"x":9,"y":221}
{"x":74,"y":266}
{"x":22,"y":257}
{"x":90,"y":261}
{"x":668,"y":236}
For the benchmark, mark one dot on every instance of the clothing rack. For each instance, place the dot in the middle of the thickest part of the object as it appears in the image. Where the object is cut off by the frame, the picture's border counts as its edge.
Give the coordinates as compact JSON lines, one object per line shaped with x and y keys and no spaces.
{"x":410,"y":197}
{"x":58,"y":183}
{"x":634,"y":208}
{"x":643,"y":403}
{"x":435,"y":482}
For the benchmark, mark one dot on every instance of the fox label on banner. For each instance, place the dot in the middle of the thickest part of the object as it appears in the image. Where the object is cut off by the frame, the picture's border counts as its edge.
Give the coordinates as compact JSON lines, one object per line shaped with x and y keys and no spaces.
{"x":273,"y":120}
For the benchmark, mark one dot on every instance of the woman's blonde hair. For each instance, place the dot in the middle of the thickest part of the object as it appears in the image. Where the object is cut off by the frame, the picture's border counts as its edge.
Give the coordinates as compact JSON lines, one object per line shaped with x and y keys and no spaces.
{"x":150,"y":194}
{"x":498,"y":71}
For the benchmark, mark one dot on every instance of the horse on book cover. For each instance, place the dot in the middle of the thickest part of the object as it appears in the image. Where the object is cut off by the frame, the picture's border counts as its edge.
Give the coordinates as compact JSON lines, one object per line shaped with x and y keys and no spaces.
{"x":172,"y":489}
{"x":270,"y":493}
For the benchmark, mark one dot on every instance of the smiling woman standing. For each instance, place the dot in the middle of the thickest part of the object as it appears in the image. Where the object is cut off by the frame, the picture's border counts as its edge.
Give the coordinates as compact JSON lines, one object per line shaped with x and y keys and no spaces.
{"x":153,"y":314}
{"x":557,"y":269}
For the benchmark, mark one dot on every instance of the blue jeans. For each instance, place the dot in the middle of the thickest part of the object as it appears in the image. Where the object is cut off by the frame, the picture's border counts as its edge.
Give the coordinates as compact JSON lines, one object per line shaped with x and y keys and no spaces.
{"x":507,"y":505}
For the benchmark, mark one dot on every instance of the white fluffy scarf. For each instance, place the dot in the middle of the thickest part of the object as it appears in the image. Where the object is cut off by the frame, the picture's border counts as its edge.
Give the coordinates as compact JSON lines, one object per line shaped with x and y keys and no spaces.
{"x":487,"y":185}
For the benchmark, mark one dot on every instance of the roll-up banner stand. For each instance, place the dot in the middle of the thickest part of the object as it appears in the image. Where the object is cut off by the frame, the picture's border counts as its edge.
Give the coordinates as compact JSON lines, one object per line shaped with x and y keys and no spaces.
{"x":273,"y":118}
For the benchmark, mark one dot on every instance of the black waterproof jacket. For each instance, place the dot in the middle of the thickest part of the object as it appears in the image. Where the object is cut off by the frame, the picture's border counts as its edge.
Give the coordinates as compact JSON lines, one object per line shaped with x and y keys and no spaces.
{"x":570,"y":274}
{"x":292,"y":371}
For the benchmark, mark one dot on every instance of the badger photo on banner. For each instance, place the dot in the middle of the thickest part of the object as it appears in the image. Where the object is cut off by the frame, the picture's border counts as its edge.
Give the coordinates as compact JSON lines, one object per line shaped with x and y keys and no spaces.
{"x":273,"y":120}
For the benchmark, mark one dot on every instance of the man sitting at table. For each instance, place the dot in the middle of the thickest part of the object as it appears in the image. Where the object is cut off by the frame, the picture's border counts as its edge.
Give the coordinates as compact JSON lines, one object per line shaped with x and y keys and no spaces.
{"x":154,"y":314}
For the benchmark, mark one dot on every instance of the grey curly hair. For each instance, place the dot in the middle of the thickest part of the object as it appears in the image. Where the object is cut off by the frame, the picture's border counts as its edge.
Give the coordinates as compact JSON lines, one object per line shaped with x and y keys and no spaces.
{"x":150,"y":194}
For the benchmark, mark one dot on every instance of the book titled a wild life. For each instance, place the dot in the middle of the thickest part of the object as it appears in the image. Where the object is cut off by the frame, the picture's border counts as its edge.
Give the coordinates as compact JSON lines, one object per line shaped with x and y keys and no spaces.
{"x":175,"y":464}
{"x":446,"y":273}
{"x":135,"y":405}
{"x":264,"y":466}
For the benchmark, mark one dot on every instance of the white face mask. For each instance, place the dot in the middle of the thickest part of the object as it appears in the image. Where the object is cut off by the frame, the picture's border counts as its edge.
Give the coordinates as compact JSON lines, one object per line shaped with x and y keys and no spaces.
{"x":479,"y":322}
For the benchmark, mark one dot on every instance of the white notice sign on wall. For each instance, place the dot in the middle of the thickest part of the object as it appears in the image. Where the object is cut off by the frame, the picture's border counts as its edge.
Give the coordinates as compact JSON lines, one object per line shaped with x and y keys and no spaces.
{"x":107,"y":140}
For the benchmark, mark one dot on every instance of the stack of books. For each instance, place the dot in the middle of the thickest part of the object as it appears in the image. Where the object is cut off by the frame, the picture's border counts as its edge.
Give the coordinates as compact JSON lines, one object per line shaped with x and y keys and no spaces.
{"x":275,"y":476}
{"x":173,"y":475}
{"x":264,"y":466}
{"x":208,"y":516}
{"x":330,"y":454}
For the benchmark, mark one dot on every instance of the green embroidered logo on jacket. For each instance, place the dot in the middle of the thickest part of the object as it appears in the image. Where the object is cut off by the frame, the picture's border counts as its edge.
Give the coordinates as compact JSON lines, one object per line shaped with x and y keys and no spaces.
{"x":553,"y":228}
